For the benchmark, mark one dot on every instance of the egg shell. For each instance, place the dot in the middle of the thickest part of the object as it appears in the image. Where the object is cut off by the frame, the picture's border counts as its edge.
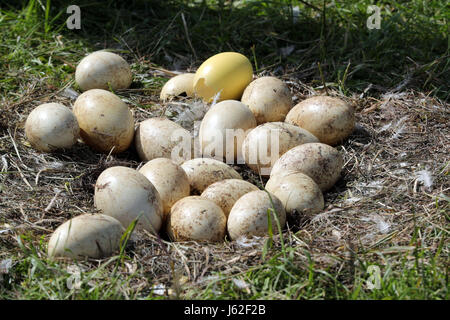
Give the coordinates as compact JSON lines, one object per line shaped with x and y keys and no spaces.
{"x":169,"y":179}
{"x":99,"y":68}
{"x":51,"y":127}
{"x":105,"y":121}
{"x":182,"y":84}
{"x":228,"y":73}
{"x":126,"y":194}
{"x":163,"y":138}
{"x":319,"y":161}
{"x":203,"y":172}
{"x":196,"y":218}
{"x":89,"y":235}
{"x":330,"y":119}
{"x":249,"y":215}
{"x":226,"y":192}
{"x":298,"y":193}
{"x":268,"y":98}
{"x":224,"y":128}
{"x":264,"y":145}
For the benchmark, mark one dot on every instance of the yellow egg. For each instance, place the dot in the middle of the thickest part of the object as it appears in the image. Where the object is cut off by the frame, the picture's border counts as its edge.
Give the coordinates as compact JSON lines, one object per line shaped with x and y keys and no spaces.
{"x":228,"y":73}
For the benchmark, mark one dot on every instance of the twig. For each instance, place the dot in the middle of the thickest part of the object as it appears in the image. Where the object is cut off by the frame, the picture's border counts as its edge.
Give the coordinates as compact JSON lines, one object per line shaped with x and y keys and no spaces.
{"x":52,"y":202}
{"x":165,"y":31}
{"x":22,"y":175}
{"x":323,"y":78}
{"x":145,"y":111}
{"x":170,"y":73}
{"x":187,"y":35}
{"x":65,"y":61}
{"x":183,"y":259}
{"x":37,"y":176}
{"x":206,"y":262}
{"x":309,"y":5}
{"x":15,"y":146}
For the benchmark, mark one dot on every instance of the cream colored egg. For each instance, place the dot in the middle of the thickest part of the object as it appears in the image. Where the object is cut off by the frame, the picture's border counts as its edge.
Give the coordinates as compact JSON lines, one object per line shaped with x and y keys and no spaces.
{"x":224,"y":128}
{"x":226,"y":192}
{"x":203,"y":172}
{"x":264,"y":145}
{"x":330,"y":119}
{"x":51,"y":127}
{"x":196,"y":218}
{"x":162,"y":138}
{"x":226,"y":73}
{"x":101,"y":68}
{"x":106,"y":122}
{"x":249,"y":215}
{"x":268,"y":98}
{"x":298,"y":193}
{"x":94,"y":236}
{"x":169,"y":179}
{"x":182,"y":84}
{"x":126,"y":195}
{"x":319,"y":161}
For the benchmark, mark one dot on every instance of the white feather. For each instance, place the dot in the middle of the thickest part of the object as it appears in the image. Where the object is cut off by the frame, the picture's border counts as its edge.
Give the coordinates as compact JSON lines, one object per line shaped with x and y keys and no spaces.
{"x":4,"y":163}
{"x":159,"y":289}
{"x":399,"y":127}
{"x":426,"y":178}
{"x":216,"y":98}
{"x":187,"y":114}
{"x":5,"y":265}
{"x":245,"y":242}
{"x":241,"y":284}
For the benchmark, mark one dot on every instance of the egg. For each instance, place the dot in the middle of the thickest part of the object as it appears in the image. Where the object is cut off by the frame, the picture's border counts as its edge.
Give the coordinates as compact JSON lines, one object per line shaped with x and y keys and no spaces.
{"x":268,"y":98}
{"x":330,"y":119}
{"x":126,"y":194}
{"x":264,"y":145}
{"x":249,"y":215}
{"x":180,"y":85}
{"x":100,"y":69}
{"x":203,"y":172}
{"x":196,"y":218}
{"x":319,"y":161}
{"x":106,"y":122}
{"x":226,"y":192}
{"x":298,"y":193}
{"x":51,"y":127}
{"x":163,"y":138}
{"x":169,"y":179}
{"x":223,"y":130}
{"x":227,"y":73}
{"x":89,"y":235}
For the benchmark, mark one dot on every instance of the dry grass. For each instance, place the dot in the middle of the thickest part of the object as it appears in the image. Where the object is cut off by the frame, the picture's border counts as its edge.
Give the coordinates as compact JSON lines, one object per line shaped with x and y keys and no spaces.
{"x":400,"y":140}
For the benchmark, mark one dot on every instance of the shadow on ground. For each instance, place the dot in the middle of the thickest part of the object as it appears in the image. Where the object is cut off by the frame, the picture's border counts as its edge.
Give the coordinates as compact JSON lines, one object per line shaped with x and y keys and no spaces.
{"x":409,"y":51}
